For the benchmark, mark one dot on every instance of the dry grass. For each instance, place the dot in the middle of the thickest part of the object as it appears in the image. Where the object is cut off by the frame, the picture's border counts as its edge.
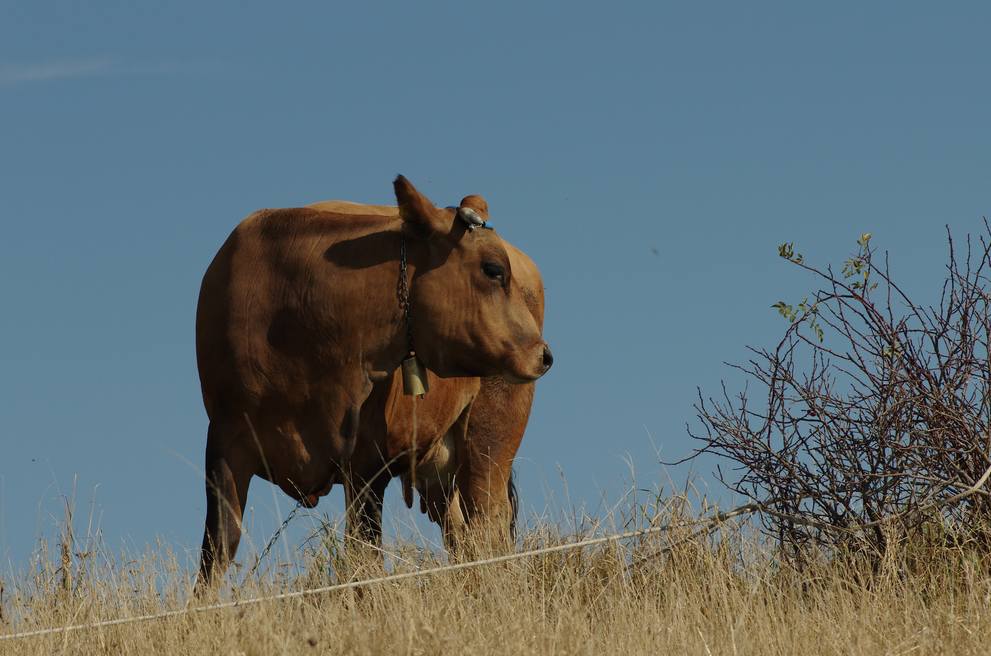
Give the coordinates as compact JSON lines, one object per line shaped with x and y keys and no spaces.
{"x":722,"y":594}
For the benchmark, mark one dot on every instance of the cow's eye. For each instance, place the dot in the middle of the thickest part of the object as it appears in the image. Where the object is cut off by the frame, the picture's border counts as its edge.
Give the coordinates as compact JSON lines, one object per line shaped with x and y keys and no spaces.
{"x":494,"y":271}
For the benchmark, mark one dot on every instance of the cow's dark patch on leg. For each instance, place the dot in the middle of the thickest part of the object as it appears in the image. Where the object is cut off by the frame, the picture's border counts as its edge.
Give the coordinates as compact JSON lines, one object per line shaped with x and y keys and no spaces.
{"x":364,"y":501}
{"x":514,"y":504}
{"x":349,"y":428}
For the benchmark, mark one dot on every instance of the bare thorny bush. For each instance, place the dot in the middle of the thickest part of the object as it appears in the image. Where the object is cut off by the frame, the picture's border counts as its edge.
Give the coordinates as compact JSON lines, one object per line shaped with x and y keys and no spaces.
{"x":876,"y":415}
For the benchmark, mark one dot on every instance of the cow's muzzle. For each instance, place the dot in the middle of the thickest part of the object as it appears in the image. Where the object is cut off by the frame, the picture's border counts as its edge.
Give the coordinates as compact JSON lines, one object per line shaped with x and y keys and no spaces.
{"x":547,"y":359}
{"x":531,"y":366}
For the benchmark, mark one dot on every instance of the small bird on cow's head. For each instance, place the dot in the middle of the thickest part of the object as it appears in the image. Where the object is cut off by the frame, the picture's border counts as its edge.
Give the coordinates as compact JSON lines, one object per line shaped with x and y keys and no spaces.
{"x":474,"y":211}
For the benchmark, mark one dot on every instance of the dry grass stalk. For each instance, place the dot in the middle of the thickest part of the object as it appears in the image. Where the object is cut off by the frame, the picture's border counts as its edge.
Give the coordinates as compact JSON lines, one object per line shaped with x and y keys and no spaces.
{"x":65,"y":553}
{"x":725,"y":593}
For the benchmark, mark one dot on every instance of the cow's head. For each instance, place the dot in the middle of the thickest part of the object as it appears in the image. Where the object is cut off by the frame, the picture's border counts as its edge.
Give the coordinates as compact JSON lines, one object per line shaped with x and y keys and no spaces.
{"x":468,"y":320}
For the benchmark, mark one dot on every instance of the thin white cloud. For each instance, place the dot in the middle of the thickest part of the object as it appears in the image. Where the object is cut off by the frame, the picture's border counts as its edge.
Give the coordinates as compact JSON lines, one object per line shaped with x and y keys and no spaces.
{"x":67,"y":69}
{"x":54,"y":70}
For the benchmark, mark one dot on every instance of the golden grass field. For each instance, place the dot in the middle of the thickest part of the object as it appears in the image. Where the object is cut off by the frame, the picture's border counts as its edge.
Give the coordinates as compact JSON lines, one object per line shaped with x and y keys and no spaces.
{"x":723,"y":593}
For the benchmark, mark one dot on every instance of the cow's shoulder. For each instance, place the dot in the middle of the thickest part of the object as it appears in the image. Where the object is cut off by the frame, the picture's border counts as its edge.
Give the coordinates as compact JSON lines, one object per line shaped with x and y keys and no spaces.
{"x":295,"y":223}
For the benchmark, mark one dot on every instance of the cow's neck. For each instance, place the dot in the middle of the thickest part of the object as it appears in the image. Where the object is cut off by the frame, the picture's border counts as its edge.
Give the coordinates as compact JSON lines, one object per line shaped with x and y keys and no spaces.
{"x":390,"y":334}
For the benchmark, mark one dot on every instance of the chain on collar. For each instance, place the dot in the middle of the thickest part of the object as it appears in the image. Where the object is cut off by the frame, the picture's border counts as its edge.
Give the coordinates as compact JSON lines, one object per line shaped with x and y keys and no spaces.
{"x":414,"y":374}
{"x":403,"y":293}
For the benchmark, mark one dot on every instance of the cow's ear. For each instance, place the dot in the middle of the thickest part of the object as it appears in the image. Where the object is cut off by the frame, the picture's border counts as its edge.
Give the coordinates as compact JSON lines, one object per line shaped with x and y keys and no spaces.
{"x":417,"y":212}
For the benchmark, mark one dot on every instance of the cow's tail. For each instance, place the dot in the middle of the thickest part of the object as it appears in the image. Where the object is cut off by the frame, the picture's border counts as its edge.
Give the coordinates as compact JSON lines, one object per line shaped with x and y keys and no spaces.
{"x":514,"y":505}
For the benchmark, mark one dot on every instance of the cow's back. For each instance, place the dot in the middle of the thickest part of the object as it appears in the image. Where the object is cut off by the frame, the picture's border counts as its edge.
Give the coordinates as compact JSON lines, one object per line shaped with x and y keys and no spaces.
{"x":250,"y":344}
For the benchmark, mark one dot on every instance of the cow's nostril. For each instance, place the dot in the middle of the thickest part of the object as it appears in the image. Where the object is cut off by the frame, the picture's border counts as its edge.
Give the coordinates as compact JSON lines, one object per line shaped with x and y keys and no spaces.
{"x":548,"y":358}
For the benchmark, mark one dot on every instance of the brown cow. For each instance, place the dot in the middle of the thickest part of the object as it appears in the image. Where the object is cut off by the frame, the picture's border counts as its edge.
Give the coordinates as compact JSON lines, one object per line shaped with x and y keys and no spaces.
{"x":298,"y":323}
{"x":462,"y":472}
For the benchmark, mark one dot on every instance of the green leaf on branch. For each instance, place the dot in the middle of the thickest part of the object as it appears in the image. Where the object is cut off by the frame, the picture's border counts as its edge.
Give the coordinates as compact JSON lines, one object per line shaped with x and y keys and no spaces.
{"x":852,"y":267}
{"x":787,"y":311}
{"x":787,"y":251}
{"x":818,"y":330}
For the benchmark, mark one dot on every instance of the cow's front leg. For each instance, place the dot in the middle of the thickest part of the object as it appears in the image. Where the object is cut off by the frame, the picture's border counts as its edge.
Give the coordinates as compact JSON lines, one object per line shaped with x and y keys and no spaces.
{"x":488,"y":500}
{"x":487,"y":495}
{"x":495,"y":429}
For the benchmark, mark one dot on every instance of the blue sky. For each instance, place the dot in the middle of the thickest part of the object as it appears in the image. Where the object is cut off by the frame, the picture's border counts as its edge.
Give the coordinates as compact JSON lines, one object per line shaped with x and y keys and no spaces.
{"x":648,"y":156}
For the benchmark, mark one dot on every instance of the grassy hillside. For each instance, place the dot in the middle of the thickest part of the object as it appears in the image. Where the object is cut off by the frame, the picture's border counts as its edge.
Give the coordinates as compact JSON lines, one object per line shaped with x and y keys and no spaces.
{"x":725,"y":593}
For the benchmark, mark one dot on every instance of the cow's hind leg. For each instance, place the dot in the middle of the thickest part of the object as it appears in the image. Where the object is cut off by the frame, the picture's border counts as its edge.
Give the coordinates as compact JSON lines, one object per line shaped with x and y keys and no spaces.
{"x":364,"y":497}
{"x":227,"y":480}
